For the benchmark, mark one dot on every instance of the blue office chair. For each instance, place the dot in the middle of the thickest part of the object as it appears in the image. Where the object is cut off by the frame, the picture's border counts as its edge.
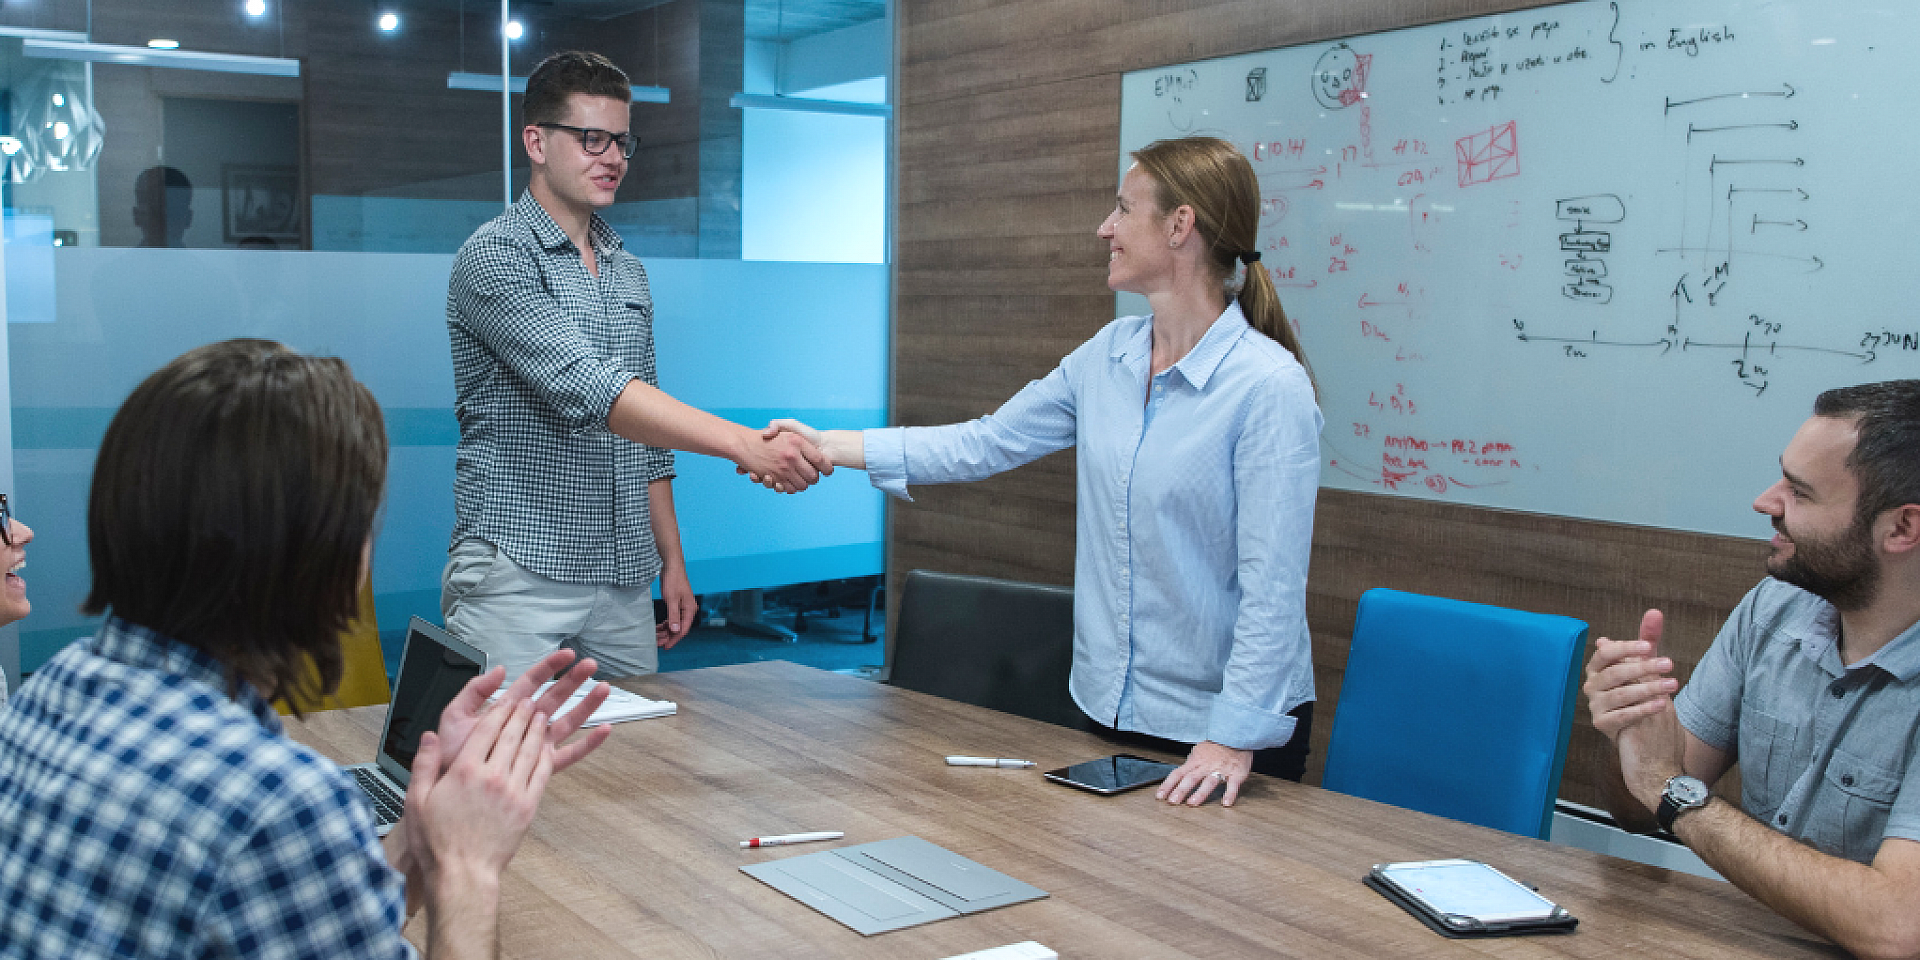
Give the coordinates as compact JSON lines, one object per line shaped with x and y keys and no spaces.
{"x":1457,"y":709}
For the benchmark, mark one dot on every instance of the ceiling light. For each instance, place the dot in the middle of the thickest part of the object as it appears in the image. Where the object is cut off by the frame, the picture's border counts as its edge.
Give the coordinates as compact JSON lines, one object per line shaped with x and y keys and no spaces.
{"x":256,"y":8}
{"x":389,"y":22}
{"x":159,"y":44}
{"x":515,"y":30}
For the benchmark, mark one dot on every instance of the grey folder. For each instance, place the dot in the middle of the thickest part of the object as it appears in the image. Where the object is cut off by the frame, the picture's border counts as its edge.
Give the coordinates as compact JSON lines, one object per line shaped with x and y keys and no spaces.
{"x":889,"y":884}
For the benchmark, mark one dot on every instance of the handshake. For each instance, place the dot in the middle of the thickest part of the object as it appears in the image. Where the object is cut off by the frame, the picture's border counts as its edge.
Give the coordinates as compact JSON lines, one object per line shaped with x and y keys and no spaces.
{"x":789,"y":456}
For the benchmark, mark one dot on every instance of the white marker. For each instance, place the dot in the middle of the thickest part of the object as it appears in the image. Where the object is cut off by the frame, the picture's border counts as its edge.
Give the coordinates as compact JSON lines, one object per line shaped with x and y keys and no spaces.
{"x":988,"y":762}
{"x":792,"y":838}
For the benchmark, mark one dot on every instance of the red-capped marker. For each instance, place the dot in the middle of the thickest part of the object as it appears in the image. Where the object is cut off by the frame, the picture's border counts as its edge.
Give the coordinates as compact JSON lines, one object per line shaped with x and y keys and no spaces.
{"x":792,"y":838}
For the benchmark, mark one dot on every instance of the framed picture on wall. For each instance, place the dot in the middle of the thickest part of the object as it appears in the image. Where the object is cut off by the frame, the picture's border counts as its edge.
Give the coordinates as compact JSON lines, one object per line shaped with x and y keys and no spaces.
{"x":260,"y":204}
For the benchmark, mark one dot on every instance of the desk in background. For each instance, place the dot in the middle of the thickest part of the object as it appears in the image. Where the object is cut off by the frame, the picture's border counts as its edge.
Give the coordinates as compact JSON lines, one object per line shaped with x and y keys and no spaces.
{"x":636,"y":851}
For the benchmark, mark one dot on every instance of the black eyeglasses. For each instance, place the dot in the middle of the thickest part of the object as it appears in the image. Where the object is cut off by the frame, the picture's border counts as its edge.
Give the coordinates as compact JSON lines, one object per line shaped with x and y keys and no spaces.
{"x":595,"y":141}
{"x":6,"y":521}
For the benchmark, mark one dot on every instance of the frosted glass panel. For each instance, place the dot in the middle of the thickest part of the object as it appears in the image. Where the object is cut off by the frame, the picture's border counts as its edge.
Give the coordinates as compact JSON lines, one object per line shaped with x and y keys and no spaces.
{"x":746,"y":340}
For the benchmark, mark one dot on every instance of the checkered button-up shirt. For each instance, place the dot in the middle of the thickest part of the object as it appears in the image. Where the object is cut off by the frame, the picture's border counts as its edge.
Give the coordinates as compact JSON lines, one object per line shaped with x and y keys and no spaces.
{"x":541,"y":348}
{"x":144,"y":813}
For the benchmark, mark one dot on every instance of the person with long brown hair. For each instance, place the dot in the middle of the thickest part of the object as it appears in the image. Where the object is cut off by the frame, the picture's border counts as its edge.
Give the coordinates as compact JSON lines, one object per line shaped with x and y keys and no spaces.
{"x":1197,"y":443}
{"x":151,"y":803}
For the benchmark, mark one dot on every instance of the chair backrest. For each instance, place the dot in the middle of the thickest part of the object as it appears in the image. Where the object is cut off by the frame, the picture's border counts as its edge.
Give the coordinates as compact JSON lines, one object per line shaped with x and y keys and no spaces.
{"x":1457,"y":709}
{"x":363,"y":682}
{"x":999,"y":644}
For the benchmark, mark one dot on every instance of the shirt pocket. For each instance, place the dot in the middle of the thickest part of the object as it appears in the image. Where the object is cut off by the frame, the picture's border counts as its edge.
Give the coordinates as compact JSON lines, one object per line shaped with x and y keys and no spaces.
{"x":1767,"y":767}
{"x":1849,"y":816}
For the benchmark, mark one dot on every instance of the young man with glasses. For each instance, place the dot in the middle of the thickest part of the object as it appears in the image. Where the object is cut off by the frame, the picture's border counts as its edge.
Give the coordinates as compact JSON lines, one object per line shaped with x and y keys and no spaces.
{"x":562,"y":491}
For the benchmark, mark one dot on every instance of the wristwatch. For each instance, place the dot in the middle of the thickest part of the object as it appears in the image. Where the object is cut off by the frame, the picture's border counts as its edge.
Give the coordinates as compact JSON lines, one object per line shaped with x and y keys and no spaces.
{"x":1683,"y":793}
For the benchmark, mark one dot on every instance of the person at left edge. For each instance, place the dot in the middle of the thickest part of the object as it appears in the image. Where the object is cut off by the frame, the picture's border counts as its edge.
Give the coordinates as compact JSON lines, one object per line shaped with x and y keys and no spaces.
{"x":563,"y":496}
{"x":13,"y":596}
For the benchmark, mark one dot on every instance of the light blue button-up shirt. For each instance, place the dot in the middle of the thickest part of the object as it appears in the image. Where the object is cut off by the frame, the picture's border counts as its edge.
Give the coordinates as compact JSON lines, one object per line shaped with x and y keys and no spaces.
{"x":1195,"y":520}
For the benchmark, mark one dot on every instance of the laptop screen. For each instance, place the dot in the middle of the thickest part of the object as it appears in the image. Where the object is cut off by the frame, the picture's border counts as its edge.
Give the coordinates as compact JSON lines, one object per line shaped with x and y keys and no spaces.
{"x":433,"y":669}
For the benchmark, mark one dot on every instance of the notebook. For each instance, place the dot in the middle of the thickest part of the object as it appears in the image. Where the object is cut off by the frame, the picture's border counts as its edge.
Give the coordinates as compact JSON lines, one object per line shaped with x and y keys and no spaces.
{"x":620,"y":706}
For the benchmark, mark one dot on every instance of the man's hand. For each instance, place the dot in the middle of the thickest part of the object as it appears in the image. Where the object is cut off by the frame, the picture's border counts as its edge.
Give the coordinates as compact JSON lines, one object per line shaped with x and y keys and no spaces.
{"x":466,"y":814}
{"x":470,"y":706}
{"x":1627,"y":680}
{"x":682,"y":607}
{"x":782,"y":461}
{"x":1630,"y":694}
{"x":842,"y":448}
{"x":1208,"y":765}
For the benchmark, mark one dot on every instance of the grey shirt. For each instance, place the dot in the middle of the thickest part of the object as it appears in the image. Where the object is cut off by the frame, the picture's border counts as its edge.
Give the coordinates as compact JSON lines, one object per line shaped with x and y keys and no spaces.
{"x":1827,"y":752}
{"x":541,"y":348}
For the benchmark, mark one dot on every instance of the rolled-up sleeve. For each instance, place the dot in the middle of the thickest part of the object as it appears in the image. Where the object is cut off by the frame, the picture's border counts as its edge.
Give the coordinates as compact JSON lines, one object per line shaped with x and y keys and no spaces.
{"x":501,"y":297}
{"x":1276,"y":475}
{"x":1039,"y":420}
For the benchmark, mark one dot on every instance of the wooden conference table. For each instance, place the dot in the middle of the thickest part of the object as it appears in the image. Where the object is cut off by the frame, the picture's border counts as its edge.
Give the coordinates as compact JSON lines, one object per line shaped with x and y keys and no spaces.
{"x":636,"y":850}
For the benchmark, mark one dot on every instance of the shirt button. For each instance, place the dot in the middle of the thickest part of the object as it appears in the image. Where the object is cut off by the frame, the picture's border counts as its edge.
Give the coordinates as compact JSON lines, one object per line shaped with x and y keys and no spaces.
{"x":1782,"y":820}
{"x":1847,"y":781}
{"x":1838,"y":691}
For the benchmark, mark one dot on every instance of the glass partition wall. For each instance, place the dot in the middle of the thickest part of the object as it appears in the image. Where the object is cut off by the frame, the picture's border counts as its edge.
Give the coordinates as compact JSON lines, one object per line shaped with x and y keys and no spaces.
{"x":179,"y":171}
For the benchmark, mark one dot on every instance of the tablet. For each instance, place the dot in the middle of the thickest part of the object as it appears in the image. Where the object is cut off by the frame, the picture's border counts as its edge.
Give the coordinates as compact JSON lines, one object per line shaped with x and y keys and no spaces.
{"x":1110,"y":775}
{"x":1464,"y":898}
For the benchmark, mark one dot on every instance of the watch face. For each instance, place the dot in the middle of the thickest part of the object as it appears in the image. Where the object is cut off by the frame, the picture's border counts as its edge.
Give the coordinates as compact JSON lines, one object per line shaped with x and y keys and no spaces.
{"x":1687,"y":791}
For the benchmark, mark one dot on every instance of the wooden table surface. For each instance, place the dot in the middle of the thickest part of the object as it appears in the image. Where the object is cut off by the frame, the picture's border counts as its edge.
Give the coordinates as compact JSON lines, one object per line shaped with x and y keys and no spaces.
{"x":635,"y":852}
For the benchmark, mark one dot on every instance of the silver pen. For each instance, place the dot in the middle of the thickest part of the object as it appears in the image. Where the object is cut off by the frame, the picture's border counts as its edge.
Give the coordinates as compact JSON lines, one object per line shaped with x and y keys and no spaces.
{"x":988,"y":762}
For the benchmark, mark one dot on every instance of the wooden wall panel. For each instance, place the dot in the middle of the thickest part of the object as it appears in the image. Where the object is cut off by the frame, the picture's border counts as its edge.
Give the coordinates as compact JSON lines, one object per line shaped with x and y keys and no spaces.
{"x":1008,"y":129}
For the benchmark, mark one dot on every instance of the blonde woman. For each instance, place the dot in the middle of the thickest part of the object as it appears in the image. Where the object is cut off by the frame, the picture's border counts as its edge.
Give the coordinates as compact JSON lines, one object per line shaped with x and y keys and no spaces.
{"x":1197,"y":445}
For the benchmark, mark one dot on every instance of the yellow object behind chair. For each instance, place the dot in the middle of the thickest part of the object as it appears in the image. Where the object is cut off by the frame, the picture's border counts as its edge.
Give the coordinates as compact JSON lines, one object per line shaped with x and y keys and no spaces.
{"x":364,"y":680}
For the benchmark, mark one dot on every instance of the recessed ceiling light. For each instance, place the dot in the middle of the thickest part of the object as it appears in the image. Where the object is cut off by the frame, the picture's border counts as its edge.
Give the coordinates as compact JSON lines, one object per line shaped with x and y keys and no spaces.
{"x":515,"y":30}
{"x":389,"y":22}
{"x":159,"y":44}
{"x":256,"y":8}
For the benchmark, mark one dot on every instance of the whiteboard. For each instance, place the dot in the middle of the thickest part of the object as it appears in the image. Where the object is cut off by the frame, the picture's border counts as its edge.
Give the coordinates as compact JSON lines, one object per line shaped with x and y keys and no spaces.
{"x":1592,"y":260}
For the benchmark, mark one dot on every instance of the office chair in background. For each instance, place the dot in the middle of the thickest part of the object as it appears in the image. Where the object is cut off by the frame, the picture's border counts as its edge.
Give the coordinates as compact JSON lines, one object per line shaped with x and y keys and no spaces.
{"x":363,"y":682}
{"x":1457,"y":709}
{"x":999,"y":644}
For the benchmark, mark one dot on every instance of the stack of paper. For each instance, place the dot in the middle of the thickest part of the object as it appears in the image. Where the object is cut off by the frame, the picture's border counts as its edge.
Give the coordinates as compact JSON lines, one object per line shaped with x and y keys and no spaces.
{"x":621,"y":705}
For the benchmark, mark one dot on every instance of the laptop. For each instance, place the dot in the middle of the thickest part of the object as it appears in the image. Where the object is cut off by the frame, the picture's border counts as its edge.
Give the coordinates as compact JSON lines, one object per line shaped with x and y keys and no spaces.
{"x":434,"y":667}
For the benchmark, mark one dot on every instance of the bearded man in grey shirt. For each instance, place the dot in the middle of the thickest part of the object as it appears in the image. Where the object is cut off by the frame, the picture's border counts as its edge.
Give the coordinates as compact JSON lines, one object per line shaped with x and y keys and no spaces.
{"x":1813,"y":686}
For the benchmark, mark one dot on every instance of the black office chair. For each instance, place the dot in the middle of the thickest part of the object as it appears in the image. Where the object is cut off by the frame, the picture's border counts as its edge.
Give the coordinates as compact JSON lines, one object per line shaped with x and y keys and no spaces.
{"x":999,"y":644}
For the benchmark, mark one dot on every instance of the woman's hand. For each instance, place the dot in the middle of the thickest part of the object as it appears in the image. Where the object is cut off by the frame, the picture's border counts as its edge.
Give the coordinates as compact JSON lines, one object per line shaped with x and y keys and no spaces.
{"x":1209,"y":765}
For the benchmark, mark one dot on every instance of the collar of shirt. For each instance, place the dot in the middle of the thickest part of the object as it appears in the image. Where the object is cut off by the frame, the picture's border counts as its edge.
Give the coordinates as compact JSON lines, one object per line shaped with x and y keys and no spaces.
{"x":1199,"y":364}
{"x":139,"y":647}
{"x":547,"y":230}
{"x":1817,"y":628}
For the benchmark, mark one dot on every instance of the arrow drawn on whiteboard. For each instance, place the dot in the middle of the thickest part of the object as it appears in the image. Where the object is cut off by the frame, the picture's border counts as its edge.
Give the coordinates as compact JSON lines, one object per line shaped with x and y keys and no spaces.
{"x":1758,"y":223}
{"x":1783,"y":161}
{"x":1731,"y":190}
{"x":1789,"y":125}
{"x":1773,"y":347}
{"x":1787,"y":91}
{"x":1817,"y":263}
{"x":1665,"y":344}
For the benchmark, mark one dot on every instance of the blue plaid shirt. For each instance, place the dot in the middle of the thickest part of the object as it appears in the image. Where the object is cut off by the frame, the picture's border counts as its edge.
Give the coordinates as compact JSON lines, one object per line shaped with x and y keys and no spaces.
{"x":145,"y":813}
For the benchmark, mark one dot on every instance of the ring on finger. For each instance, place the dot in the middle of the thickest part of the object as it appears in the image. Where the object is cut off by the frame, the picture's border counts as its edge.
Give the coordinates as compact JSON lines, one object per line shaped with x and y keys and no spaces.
{"x":1217,"y":775}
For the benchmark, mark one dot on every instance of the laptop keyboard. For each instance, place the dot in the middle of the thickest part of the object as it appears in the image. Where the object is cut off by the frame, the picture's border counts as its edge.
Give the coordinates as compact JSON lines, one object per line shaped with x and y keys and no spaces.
{"x":387,"y":802}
